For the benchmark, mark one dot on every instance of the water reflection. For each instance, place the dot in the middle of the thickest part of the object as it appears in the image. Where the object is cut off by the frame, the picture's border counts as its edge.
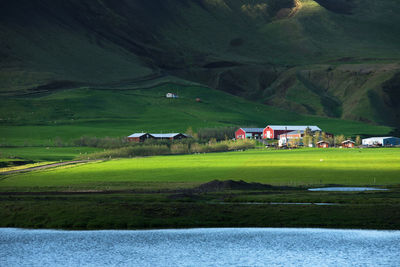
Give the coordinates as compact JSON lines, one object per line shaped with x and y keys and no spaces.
{"x":200,"y":247}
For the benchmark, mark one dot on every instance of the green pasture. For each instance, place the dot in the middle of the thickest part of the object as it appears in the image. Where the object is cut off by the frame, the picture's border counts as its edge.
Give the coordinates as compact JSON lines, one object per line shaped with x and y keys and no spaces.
{"x":43,"y":153}
{"x":302,"y":167}
{"x":60,"y":116}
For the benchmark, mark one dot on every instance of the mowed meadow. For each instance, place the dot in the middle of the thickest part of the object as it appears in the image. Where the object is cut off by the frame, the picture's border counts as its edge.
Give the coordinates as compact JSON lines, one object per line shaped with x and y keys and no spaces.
{"x":300,"y":167}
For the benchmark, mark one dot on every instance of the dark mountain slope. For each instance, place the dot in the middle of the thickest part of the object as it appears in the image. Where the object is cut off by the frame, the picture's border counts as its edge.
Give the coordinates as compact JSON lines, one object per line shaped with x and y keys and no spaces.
{"x":252,"y":48}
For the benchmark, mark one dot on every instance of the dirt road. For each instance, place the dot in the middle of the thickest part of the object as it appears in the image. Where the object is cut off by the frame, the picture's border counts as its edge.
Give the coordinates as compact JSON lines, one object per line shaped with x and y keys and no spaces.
{"x":44,"y":167}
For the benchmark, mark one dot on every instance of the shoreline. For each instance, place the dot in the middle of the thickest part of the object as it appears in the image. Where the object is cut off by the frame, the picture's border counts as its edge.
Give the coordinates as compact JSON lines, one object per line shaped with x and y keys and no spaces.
{"x":168,"y":211}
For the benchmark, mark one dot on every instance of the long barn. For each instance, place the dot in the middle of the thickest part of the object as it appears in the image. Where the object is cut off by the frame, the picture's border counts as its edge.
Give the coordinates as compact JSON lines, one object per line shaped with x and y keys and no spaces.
{"x":141,"y":137}
{"x":274,"y":131}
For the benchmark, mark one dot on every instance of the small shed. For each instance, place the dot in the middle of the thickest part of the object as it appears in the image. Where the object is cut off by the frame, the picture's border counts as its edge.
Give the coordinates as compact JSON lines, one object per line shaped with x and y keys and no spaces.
{"x":139,"y":137}
{"x":323,"y":144}
{"x":249,"y":133}
{"x":348,"y":144}
{"x":171,"y":95}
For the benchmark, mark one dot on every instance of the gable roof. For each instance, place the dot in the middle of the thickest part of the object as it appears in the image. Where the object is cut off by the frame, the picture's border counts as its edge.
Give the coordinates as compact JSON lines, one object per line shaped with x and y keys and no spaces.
{"x":167,"y":135}
{"x":294,"y":127}
{"x":348,"y":141}
{"x":253,"y":130}
{"x":137,"y":135}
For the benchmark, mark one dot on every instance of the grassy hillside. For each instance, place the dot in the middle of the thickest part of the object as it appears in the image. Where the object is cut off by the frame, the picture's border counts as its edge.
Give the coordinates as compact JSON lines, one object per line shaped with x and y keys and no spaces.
{"x":328,"y":58}
{"x":48,"y":117}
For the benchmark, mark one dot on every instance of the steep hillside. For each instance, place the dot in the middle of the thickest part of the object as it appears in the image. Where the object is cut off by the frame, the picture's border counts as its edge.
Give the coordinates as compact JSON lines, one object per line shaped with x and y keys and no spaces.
{"x":335,"y":58}
{"x":44,"y":117}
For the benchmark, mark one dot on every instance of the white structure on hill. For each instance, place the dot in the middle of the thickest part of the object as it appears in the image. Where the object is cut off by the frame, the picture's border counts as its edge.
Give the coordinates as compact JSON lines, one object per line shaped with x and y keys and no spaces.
{"x":171,"y":95}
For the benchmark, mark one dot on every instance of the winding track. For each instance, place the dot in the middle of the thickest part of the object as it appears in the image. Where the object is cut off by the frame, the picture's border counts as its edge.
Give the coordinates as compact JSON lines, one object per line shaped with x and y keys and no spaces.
{"x":44,"y":167}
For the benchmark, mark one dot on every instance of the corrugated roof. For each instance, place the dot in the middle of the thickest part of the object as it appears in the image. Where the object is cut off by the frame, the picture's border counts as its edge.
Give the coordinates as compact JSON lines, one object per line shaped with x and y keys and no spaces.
{"x":294,"y":128}
{"x":253,"y":130}
{"x":296,"y":132}
{"x":137,"y":135}
{"x":166,"y":135}
{"x":379,"y":138}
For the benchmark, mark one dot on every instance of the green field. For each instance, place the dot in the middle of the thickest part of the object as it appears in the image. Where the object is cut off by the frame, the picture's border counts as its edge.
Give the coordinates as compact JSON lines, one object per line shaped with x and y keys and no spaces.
{"x":156,"y":192}
{"x":48,"y":118}
{"x":43,"y":153}
{"x":303,"y":167}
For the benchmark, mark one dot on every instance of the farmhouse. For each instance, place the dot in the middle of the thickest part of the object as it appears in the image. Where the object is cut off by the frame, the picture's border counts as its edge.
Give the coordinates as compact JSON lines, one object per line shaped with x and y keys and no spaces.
{"x":293,"y":135}
{"x":348,"y":144}
{"x":323,"y":144}
{"x":381,"y":141}
{"x":252,"y":133}
{"x":274,"y":131}
{"x":139,"y":137}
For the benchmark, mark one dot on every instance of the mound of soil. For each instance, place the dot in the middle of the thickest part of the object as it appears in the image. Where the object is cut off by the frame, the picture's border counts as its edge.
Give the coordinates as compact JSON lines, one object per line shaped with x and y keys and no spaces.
{"x":218,"y":185}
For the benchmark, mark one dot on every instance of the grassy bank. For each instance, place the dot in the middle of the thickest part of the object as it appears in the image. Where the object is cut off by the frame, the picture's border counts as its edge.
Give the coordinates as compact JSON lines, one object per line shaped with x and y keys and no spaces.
{"x":379,"y":210}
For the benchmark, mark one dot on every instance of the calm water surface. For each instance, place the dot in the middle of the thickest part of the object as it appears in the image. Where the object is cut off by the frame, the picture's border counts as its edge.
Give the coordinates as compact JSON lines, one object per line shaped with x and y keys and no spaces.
{"x":200,"y":247}
{"x":347,"y":189}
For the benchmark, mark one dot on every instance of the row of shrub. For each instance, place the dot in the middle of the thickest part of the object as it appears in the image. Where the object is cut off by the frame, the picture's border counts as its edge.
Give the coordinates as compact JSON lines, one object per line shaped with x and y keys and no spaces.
{"x":220,"y":133}
{"x":173,"y":149}
{"x":101,"y":142}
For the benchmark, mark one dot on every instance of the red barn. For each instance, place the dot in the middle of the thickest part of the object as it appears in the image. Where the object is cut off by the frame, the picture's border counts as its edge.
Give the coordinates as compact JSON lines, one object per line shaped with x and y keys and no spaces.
{"x":252,"y":133}
{"x":348,"y":144}
{"x":273,"y":131}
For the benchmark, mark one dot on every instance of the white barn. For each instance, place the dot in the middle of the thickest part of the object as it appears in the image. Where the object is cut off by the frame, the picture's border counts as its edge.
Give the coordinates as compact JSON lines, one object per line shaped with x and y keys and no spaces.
{"x":381,"y":141}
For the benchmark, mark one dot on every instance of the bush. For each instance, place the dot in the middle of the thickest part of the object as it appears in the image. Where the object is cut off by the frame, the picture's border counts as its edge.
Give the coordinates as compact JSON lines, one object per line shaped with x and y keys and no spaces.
{"x":241,"y":144}
{"x":221,"y":133}
{"x":105,"y":142}
{"x":138,"y":150}
{"x":180,"y":149}
{"x":127,"y":152}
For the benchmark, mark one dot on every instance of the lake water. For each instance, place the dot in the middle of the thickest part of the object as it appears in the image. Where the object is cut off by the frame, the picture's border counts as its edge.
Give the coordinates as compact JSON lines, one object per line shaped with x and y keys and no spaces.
{"x":200,"y":247}
{"x":347,"y":189}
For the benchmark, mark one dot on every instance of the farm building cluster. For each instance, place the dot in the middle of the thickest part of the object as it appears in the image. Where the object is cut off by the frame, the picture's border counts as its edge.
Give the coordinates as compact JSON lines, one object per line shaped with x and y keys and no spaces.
{"x":141,"y":137}
{"x":304,"y":134}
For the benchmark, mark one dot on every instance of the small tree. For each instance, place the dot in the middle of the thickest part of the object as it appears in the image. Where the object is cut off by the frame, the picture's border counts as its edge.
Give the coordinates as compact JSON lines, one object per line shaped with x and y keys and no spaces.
{"x":191,"y":133}
{"x":358,"y":140}
{"x":339,"y":139}
{"x":308,"y":131}
{"x":324,"y":137}
{"x":307,"y":139}
{"x":316,"y":138}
